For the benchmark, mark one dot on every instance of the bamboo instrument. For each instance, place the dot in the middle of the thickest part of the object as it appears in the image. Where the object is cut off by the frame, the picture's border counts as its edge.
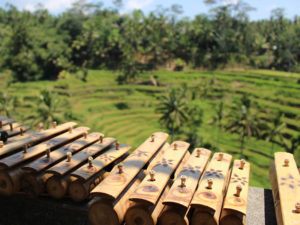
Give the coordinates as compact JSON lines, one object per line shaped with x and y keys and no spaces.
{"x":208,"y":199}
{"x":87,"y":176}
{"x":178,"y":200}
{"x":58,"y":183}
{"x":285,"y":182}
{"x":105,"y":211}
{"x":11,"y":165}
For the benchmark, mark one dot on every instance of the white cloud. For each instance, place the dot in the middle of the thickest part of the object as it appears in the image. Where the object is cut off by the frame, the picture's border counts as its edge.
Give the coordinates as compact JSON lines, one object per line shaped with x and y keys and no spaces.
{"x":230,"y":2}
{"x":53,"y":6}
{"x":137,"y":4}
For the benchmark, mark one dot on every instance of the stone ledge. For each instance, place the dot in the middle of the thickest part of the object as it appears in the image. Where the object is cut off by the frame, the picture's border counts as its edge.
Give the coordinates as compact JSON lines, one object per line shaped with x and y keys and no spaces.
{"x":24,"y":210}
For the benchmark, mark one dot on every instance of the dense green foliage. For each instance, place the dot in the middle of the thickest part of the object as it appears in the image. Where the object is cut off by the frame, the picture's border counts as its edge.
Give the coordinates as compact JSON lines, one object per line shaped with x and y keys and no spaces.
{"x":128,"y":112}
{"x":37,"y":45}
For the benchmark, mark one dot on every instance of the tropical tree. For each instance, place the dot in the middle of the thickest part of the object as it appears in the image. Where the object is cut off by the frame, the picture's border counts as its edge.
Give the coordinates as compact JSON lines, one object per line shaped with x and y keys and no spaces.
{"x":218,"y":119}
{"x":49,"y":109}
{"x":7,"y":104}
{"x":272,"y":132}
{"x":174,"y":110}
{"x":243,"y":121}
{"x":292,"y":144}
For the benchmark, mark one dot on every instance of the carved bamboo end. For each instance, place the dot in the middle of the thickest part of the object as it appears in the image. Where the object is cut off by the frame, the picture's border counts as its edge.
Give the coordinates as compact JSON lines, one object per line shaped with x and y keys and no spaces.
{"x":101,"y":139}
{"x":69,"y":156}
{"x":90,"y":159}
{"x":120,"y":167}
{"x":70,"y":130}
{"x":297,"y":207}
{"x":286,"y":162}
{"x":117,"y":145}
{"x":242,"y":164}
{"x":152,"y":175}
{"x":210,"y":183}
{"x":220,"y":156}
{"x":198,"y":153}
{"x":54,"y":124}
{"x":183,"y":180}
{"x":238,"y":190}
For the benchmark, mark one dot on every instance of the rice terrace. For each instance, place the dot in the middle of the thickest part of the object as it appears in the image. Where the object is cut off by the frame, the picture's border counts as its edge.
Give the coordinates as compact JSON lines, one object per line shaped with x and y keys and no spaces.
{"x":128,"y":111}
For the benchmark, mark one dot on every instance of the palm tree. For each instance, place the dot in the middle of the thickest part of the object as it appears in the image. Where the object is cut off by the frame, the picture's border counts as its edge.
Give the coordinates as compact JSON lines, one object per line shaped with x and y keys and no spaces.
{"x":218,"y":118}
{"x":292,"y":144}
{"x":174,"y":110}
{"x":273,"y":131}
{"x":241,"y":120}
{"x":49,"y":109}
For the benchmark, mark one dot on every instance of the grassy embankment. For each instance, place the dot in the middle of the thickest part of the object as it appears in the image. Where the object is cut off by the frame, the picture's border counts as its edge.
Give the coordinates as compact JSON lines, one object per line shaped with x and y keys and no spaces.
{"x":127,"y":112}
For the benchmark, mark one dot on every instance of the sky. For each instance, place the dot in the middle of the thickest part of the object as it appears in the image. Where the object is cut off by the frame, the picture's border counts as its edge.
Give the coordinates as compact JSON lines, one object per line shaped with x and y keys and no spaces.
{"x":190,"y":7}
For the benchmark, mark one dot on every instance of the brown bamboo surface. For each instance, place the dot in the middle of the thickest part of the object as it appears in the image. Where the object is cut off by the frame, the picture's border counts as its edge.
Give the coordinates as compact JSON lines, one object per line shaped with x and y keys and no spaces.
{"x":150,"y":190}
{"x":105,"y":211}
{"x":285,"y":181}
{"x":236,"y":200}
{"x":17,"y":131}
{"x":61,"y":153}
{"x":208,"y":199}
{"x":66,"y":166}
{"x":192,"y":171}
{"x":40,"y":149}
{"x":40,"y":136}
{"x":86,"y":171}
{"x":4,"y":121}
{"x":116,"y":182}
{"x":10,"y":126}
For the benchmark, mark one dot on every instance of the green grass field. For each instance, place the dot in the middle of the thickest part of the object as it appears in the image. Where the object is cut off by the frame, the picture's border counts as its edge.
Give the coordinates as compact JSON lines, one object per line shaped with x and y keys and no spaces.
{"x":127,"y":112}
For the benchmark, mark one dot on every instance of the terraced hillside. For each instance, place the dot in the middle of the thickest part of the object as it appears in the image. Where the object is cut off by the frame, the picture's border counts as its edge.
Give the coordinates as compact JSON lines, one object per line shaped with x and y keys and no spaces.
{"x":127,"y":112}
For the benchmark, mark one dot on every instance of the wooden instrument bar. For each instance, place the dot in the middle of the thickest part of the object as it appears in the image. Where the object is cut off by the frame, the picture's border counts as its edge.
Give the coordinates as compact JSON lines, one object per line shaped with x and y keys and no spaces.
{"x":285,"y":181}
{"x":61,"y":153}
{"x":40,"y":149}
{"x":116,"y":182}
{"x":152,"y":186}
{"x":208,"y":198}
{"x":40,"y":136}
{"x":183,"y":189}
{"x":65,"y":166}
{"x":235,"y":203}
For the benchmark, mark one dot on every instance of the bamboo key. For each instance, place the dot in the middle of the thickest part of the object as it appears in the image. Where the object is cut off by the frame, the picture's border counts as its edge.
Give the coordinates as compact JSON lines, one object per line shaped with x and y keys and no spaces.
{"x":208,"y":199}
{"x":11,"y":166}
{"x":108,"y":212}
{"x":4,"y":121}
{"x":235,"y":203}
{"x":19,"y":130}
{"x":57,"y":185}
{"x":115,"y":183}
{"x":285,"y":182}
{"x":34,"y":178}
{"x":150,"y":190}
{"x":10,"y":126}
{"x":179,"y":197}
{"x":141,"y":212}
{"x":40,"y":136}
{"x":40,"y":149}
{"x":86,"y":175}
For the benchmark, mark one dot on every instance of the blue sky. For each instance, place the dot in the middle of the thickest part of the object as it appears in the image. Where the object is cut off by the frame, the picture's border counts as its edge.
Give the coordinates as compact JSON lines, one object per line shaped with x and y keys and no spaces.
{"x":190,"y":7}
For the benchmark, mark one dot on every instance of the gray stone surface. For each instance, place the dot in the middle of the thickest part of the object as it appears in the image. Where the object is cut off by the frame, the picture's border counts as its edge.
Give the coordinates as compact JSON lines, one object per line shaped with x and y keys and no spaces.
{"x":260,"y":209}
{"x":23,"y":210}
